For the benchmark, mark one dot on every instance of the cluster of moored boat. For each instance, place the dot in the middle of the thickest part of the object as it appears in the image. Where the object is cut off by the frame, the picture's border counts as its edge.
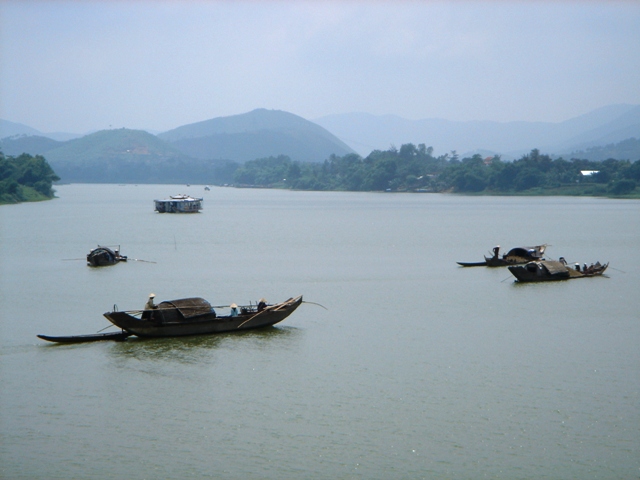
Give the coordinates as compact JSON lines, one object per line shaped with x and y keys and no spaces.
{"x":528,"y":264}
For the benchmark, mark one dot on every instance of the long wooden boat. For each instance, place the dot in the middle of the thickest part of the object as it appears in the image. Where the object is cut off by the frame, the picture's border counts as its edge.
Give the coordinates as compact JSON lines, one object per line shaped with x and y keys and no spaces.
{"x":196,"y":316}
{"x":96,"y":337}
{"x":515,"y":256}
{"x":549,"y":271}
{"x":103,"y":256}
{"x":179,"y":204}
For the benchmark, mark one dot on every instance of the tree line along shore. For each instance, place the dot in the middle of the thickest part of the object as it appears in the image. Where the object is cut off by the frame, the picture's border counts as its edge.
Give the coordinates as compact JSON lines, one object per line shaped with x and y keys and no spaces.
{"x":415,"y":169}
{"x":410,"y":168}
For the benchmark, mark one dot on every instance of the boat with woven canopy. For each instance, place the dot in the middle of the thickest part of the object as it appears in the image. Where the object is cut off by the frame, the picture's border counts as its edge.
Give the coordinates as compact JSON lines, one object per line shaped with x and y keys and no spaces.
{"x":196,"y":316}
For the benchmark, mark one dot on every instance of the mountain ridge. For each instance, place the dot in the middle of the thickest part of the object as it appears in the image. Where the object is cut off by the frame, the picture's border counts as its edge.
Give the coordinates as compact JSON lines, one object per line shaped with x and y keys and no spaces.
{"x":262,"y":133}
{"x":255,"y":134}
{"x":366,"y":132}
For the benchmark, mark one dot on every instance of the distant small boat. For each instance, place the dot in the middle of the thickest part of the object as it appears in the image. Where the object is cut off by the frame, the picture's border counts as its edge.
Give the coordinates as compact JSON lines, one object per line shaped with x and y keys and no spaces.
{"x":549,"y":271}
{"x":104,"y":256}
{"x":515,"y":256}
{"x":207,"y":188}
{"x":179,"y":204}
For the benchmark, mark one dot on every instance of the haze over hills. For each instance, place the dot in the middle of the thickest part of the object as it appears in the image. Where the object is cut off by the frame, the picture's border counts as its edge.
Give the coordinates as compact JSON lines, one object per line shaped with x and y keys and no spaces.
{"x":12,"y":129}
{"x":207,"y":151}
{"x":365,"y":132}
{"x":212,"y":149}
{"x":116,"y":156}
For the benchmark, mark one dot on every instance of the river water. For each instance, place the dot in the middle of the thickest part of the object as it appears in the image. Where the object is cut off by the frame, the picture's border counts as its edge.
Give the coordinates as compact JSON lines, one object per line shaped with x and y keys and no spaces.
{"x":417,"y":368}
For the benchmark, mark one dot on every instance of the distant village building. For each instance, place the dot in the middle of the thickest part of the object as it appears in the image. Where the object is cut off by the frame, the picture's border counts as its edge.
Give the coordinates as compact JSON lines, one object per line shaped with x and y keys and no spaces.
{"x":588,"y":173}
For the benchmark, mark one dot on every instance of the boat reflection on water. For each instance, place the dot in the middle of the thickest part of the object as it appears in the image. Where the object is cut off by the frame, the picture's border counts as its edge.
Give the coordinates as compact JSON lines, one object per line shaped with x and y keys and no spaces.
{"x":203,"y":348}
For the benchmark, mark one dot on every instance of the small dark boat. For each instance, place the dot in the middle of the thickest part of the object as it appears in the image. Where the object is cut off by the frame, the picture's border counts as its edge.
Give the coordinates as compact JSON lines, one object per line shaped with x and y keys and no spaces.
{"x":104,"y":256}
{"x":196,"y":316}
{"x":117,"y":336}
{"x":549,"y":271}
{"x":515,"y":256}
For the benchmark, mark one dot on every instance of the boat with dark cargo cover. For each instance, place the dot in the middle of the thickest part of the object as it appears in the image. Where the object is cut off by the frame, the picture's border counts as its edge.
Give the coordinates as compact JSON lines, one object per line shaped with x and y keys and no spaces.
{"x":103,"y":256}
{"x":196,"y":316}
{"x":549,"y":271}
{"x":515,"y":256}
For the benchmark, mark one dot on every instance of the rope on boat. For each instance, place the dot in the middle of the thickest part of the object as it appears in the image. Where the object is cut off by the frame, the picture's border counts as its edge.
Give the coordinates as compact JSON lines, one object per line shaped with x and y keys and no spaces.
{"x":267,"y":309}
{"x":313,"y":303}
{"x":102,"y":329}
{"x":251,"y":318}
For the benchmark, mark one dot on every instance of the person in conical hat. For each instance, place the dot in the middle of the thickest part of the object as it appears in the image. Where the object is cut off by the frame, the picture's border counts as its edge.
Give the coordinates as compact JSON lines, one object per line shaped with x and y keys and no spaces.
{"x":262,"y":304}
{"x":150,"y":305}
{"x":234,"y":310}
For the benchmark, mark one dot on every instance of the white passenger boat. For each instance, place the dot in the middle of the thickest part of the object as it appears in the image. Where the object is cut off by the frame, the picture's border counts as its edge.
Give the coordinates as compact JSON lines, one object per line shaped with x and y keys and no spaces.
{"x":179,"y":204}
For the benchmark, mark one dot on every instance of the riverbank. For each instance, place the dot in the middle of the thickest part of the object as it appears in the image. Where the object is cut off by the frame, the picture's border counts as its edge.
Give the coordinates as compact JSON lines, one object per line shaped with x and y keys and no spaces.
{"x":27,"y":194}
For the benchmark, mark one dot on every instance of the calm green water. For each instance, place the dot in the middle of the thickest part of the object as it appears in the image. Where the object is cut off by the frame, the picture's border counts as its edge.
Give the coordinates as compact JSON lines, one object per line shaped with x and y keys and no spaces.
{"x":418,"y":369}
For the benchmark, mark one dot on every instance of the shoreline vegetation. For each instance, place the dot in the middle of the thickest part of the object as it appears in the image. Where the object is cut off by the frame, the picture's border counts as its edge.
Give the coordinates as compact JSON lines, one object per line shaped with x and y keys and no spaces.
{"x":25,"y":179}
{"x":411,"y":168}
{"x":415,"y":169}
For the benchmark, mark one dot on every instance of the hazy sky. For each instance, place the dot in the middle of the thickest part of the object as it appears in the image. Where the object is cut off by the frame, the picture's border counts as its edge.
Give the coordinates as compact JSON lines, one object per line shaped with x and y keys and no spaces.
{"x":78,"y":66}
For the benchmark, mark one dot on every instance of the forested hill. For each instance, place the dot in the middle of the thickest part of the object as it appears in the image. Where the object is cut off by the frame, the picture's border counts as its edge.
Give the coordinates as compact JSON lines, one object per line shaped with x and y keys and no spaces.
{"x":256,"y":134}
{"x":116,"y":156}
{"x":181,"y":155}
{"x":25,"y":178}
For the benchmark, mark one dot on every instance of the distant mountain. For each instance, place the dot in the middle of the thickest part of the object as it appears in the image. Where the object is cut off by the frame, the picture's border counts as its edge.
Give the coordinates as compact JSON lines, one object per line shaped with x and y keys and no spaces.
{"x":626,"y":150}
{"x":12,"y":129}
{"x":257,"y":134}
{"x":621,"y":127}
{"x":365,"y":132}
{"x":115,"y":155}
{"x":33,"y":145}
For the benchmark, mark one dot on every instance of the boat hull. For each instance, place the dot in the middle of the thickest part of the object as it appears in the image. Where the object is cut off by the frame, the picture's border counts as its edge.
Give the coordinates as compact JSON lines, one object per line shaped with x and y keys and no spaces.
{"x":166,"y":323}
{"x":117,"y":336}
{"x":537,"y":272}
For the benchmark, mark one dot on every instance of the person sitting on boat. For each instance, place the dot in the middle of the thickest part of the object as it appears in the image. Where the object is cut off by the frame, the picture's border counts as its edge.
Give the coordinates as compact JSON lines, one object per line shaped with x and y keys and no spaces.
{"x":262,"y":304}
{"x":150,"y":305}
{"x":146,"y":313}
{"x":496,"y":250}
{"x":562,"y":261}
{"x":234,"y":310}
